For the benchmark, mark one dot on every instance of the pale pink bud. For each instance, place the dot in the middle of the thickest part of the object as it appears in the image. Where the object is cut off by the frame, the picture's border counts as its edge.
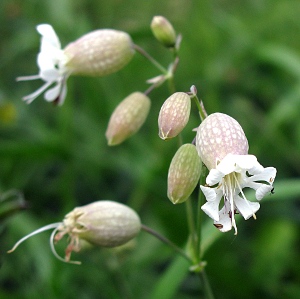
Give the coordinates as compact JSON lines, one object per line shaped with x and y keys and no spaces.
{"x":217,"y":136}
{"x":99,"y":53}
{"x":174,"y":115}
{"x":127,"y":118}
{"x":184,"y":173}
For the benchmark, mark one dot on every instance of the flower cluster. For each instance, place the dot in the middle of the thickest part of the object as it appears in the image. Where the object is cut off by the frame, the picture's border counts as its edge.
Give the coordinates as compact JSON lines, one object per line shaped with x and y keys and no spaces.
{"x":220,"y":143}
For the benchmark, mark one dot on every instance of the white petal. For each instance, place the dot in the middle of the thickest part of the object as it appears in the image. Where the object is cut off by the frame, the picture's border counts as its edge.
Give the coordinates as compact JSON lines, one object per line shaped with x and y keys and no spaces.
{"x":46,"y":62}
{"x":211,"y":208}
{"x":50,"y":75}
{"x":256,"y":169}
{"x":52,"y":93}
{"x":213,"y":197}
{"x":268,"y":174}
{"x":210,"y":193}
{"x":246,"y":207}
{"x":48,"y":35}
{"x":245,"y":162}
{"x":262,"y":191}
{"x":63,"y":93}
{"x":227,"y":165}
{"x":214,"y":177}
{"x":224,"y":224}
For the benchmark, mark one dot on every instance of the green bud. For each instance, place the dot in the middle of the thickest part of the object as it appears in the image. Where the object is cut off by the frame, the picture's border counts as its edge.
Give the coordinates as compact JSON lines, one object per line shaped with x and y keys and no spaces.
{"x":163,"y":31}
{"x":99,"y":53}
{"x":127,"y":118}
{"x":184,"y":173}
{"x":174,"y":115}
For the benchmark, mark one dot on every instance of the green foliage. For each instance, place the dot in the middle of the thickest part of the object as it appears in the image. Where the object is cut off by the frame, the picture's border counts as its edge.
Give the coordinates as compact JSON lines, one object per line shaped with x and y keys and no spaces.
{"x":244,"y":59}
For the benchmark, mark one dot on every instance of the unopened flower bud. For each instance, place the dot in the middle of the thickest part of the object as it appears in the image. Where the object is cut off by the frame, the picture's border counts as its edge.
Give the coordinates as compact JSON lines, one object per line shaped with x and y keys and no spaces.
{"x":174,"y":115}
{"x":184,"y":173}
{"x":127,"y":118}
{"x":99,"y":53}
{"x":103,"y":223}
{"x":163,"y":31}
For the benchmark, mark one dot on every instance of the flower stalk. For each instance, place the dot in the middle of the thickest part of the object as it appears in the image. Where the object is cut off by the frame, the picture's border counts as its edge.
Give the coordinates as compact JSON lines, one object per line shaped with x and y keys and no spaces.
{"x":166,"y":241}
{"x":199,"y":103}
{"x":151,"y":59}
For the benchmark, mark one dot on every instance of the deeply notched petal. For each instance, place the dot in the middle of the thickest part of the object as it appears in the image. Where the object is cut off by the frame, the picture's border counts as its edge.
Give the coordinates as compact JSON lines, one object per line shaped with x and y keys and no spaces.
{"x":224,"y":224}
{"x":245,"y":207}
{"x":49,"y":36}
{"x":213,"y":197}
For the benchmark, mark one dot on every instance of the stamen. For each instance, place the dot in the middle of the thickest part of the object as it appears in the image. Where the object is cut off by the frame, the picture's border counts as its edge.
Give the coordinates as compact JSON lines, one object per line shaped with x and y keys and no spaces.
{"x":42,"y":229}
{"x":229,"y":195}
{"x":35,"y":94}
{"x":55,"y":252}
{"x":27,"y":78}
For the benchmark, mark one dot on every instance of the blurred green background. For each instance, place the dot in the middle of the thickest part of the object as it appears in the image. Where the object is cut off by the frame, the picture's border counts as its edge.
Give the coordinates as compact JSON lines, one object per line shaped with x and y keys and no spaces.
{"x":243,"y":57}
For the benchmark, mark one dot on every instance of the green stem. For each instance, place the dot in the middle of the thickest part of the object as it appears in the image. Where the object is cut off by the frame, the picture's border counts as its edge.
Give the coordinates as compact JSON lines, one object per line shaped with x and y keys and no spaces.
{"x":151,"y":59}
{"x":192,"y":229}
{"x":200,"y":106}
{"x":166,"y":241}
{"x":199,"y":212}
{"x":206,"y":285}
{"x":171,"y":84}
{"x":171,"y":72}
{"x":199,"y":103}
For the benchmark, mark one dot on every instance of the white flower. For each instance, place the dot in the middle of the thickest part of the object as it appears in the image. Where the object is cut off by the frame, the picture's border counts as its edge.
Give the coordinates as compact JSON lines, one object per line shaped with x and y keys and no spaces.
{"x":223,"y":147}
{"x":231,"y":175}
{"x":51,"y":61}
{"x":97,"y":53}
